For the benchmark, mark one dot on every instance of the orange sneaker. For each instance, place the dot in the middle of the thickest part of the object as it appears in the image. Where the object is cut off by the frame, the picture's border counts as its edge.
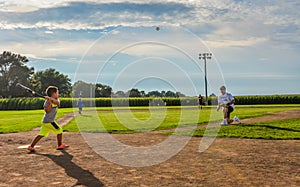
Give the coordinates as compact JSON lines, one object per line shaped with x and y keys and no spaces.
{"x":62,"y":146}
{"x":31,"y":149}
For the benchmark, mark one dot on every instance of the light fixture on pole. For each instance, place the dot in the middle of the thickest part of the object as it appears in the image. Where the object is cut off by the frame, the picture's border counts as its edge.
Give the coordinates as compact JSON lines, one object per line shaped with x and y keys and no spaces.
{"x":205,"y":56}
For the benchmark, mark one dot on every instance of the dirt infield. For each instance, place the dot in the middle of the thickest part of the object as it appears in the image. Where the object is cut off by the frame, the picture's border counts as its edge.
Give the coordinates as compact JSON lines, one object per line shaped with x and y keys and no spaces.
{"x":228,"y":162}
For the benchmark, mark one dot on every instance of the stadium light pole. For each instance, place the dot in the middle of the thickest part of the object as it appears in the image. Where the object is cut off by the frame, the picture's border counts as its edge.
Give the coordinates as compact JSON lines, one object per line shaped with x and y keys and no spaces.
{"x":205,"y":56}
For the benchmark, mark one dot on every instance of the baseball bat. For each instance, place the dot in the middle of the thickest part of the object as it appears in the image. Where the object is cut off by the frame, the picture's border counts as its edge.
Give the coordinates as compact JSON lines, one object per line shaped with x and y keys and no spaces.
{"x":30,"y":90}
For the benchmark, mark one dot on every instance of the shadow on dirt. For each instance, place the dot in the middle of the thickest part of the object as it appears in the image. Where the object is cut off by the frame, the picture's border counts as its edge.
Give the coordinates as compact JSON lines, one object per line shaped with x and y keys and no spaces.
{"x":83,"y":177}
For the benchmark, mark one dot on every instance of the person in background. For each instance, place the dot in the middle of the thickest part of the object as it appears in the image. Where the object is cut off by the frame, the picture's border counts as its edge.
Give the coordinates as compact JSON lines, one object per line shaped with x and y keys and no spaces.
{"x":80,"y":105}
{"x":200,"y":101}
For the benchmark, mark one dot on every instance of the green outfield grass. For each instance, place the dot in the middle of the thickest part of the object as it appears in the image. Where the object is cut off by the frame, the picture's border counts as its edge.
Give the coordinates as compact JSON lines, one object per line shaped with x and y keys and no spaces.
{"x":141,"y":119}
{"x":23,"y":120}
{"x":136,"y":121}
{"x":109,"y":122}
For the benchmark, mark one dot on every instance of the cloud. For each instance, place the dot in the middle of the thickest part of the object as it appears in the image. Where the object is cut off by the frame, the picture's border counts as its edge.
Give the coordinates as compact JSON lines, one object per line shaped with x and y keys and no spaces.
{"x":145,"y":41}
{"x":94,"y":15}
{"x":49,"y":32}
{"x":48,"y":50}
{"x":33,"y":56}
{"x":236,"y":43}
{"x":18,"y":8}
{"x":29,"y":5}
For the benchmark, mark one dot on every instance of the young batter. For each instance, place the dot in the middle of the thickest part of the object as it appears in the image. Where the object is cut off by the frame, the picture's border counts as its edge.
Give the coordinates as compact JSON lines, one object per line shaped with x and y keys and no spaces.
{"x":49,"y":125}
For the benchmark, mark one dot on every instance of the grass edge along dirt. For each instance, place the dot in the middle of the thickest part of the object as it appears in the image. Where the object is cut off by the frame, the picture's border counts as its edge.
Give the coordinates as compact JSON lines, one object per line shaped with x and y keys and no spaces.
{"x":276,"y":130}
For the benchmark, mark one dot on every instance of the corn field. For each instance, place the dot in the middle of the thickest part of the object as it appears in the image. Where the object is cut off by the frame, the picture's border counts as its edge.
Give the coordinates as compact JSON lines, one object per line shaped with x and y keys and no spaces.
{"x":37,"y":103}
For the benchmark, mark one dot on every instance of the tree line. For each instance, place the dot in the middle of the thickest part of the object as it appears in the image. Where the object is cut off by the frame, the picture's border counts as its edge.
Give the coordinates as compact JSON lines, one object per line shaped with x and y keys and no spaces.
{"x":13,"y":70}
{"x":83,"y":89}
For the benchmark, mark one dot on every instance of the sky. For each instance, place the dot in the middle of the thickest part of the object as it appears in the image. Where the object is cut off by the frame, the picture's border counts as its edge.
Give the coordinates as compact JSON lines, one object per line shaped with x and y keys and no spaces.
{"x":255,"y":45}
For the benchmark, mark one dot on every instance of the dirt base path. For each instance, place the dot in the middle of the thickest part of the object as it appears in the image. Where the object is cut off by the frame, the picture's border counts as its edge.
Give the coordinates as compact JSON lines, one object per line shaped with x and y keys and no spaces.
{"x":66,"y":118}
{"x":228,"y":162}
{"x":274,"y":116}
